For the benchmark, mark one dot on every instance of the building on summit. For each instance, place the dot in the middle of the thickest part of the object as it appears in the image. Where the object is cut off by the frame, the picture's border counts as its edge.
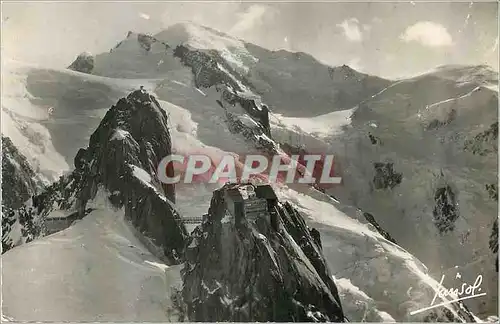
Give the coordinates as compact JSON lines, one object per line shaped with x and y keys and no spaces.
{"x":251,"y":202}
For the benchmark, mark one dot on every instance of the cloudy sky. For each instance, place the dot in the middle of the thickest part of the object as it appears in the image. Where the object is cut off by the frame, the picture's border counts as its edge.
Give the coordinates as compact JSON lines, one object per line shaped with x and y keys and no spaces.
{"x":390,"y":39}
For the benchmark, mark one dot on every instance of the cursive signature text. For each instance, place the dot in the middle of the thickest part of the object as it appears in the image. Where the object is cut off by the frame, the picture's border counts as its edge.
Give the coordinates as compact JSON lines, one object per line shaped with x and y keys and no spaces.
{"x":465,"y":291}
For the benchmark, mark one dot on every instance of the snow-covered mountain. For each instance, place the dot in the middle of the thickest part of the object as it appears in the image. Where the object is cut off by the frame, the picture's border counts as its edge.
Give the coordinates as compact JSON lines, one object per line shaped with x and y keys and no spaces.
{"x":422,"y":157}
{"x":214,"y":91}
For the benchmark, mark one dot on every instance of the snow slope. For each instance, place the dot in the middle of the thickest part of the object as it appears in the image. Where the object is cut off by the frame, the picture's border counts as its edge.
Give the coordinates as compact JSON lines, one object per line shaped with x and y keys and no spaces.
{"x":421,"y":126}
{"x":78,"y":101}
{"x":96,"y":270}
{"x":323,"y":126}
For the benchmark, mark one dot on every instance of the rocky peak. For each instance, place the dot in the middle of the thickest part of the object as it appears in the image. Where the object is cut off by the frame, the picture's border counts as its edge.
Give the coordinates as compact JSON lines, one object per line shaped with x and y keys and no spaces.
{"x":122,"y":157}
{"x":343,"y":73}
{"x":255,"y":259}
{"x":84,"y":63}
{"x":145,"y":41}
{"x":484,"y":143}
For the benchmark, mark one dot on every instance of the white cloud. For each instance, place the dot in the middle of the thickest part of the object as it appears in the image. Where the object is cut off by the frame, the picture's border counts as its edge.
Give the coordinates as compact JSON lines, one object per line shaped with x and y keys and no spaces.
{"x":144,"y":16}
{"x":428,"y":33}
{"x":248,"y":19}
{"x":352,"y":30}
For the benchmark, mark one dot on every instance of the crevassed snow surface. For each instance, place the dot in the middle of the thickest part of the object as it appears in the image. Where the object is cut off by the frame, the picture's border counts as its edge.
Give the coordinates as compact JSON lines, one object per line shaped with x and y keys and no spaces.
{"x":321,"y":126}
{"x":49,"y":113}
{"x":21,"y":122}
{"x":359,"y":303}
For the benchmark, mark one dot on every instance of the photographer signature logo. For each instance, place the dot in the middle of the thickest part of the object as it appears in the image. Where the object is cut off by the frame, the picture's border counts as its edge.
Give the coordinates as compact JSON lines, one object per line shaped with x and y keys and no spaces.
{"x":466,"y":291}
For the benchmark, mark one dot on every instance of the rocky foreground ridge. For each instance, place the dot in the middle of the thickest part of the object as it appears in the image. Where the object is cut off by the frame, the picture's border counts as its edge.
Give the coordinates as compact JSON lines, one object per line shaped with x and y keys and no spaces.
{"x":121,"y":158}
{"x":255,"y":259}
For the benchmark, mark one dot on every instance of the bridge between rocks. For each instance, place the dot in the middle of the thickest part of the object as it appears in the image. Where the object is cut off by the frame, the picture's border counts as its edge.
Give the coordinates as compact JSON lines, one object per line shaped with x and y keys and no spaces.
{"x":192,"y":220}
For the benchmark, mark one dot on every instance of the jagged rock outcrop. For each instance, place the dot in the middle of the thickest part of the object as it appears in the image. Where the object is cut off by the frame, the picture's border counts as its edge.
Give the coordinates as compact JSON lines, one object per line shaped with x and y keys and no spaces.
{"x":485,"y":142}
{"x":436,"y":123}
{"x":122,"y":157}
{"x":146,"y":41}
{"x":385,"y":176}
{"x":343,"y":73}
{"x":84,"y":63}
{"x":204,"y":67}
{"x":264,"y":265}
{"x":492,"y":191}
{"x":371,"y":219}
{"x":494,"y":241}
{"x":210,"y":69}
{"x":374,"y":139}
{"x":446,"y":209}
{"x":19,"y":183}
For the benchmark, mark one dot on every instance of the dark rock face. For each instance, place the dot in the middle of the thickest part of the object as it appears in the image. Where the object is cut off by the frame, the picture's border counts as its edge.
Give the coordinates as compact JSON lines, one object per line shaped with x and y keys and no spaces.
{"x":436,"y":123}
{"x":446,"y":209}
{"x":251,"y":268}
{"x":492,"y":191}
{"x":84,"y":63}
{"x":29,"y":227}
{"x":19,"y":183}
{"x":261,"y":114}
{"x":122,"y":158}
{"x":131,"y":140}
{"x":146,"y":41}
{"x":206,"y":68}
{"x":494,"y":241}
{"x":484,"y":143}
{"x":252,"y":134}
{"x":445,"y":316}
{"x":374,"y":139}
{"x":385,"y":176}
{"x":18,"y":178}
{"x":371,"y":219}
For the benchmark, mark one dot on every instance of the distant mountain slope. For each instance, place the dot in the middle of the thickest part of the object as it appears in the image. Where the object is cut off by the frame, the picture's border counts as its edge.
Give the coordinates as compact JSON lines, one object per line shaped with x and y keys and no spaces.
{"x":297,"y":85}
{"x":294,"y":84}
{"x":439,"y":136}
{"x":463,"y":74}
